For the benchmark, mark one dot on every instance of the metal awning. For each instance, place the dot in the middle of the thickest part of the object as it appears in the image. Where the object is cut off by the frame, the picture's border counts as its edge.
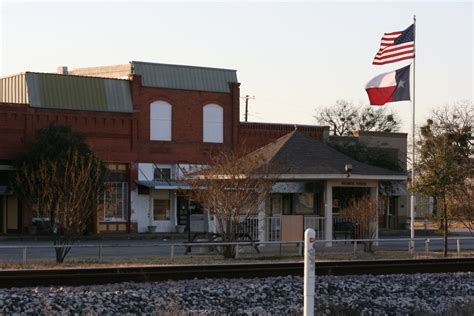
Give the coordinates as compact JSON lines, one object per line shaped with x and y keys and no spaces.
{"x":164,"y":185}
{"x":392,"y":188}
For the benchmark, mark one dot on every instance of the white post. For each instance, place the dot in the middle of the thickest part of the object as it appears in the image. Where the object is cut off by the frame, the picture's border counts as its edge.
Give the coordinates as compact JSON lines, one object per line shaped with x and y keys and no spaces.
{"x":328,"y":215}
{"x":309,"y":271}
{"x":374,"y":193}
{"x":261,"y":222}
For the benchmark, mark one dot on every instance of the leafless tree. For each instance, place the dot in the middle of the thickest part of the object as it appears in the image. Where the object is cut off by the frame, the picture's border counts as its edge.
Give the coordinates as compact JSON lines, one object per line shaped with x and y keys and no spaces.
{"x":232,"y":189}
{"x":452,"y":123}
{"x":67,"y":194}
{"x":461,"y":202}
{"x":363,"y":213}
{"x":344,"y":118}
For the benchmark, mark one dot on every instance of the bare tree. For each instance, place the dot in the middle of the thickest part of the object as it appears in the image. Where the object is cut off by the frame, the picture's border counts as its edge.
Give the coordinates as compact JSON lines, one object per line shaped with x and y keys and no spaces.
{"x":232,"y":189}
{"x":461,"y":203}
{"x":454,"y":123}
{"x":363,"y":214}
{"x":344,"y":118}
{"x":439,"y":172}
{"x":67,"y":193}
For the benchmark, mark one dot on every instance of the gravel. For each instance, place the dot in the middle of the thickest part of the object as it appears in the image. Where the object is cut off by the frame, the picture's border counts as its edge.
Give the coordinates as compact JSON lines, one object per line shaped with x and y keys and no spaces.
{"x":367,"y":295}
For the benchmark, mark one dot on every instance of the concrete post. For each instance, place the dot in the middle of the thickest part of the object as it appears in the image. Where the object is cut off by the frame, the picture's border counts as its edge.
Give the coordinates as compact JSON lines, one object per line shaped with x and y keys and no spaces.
{"x":328,"y":214}
{"x":309,"y":271}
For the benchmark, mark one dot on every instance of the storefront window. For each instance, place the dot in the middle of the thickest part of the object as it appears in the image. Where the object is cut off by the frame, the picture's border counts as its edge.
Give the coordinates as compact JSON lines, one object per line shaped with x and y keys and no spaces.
{"x":304,"y":203}
{"x":275,"y":204}
{"x":115,"y":203}
{"x":161,"y":210}
{"x":287,"y":201}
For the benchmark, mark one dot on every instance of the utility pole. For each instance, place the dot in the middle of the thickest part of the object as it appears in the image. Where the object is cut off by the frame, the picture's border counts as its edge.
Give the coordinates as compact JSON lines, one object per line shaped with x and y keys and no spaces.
{"x":247,"y":98}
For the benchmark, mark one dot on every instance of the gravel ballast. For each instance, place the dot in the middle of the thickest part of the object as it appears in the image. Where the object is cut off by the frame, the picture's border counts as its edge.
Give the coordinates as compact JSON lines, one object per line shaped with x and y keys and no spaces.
{"x":362,"y":294}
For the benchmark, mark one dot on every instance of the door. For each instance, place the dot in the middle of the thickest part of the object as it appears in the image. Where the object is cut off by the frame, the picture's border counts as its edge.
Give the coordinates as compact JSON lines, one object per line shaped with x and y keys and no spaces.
{"x":182,"y":208}
{"x":392,"y":212}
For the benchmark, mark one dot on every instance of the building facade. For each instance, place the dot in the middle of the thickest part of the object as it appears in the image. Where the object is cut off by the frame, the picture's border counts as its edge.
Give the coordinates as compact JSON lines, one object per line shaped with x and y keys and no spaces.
{"x":150,"y":122}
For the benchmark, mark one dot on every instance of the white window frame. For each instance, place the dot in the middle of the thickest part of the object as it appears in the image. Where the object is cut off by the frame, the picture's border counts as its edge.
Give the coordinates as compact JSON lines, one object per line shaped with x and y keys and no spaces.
{"x":213,"y":123}
{"x":161,"y":118}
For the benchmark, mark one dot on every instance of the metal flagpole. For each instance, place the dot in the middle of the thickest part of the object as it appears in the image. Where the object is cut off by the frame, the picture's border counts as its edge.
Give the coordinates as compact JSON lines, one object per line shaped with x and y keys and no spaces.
{"x":412,"y":197}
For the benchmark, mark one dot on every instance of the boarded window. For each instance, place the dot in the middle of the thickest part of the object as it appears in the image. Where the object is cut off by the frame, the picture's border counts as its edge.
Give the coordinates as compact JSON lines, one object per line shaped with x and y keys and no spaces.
{"x":161,"y":210}
{"x":213,"y":123}
{"x":160,"y":121}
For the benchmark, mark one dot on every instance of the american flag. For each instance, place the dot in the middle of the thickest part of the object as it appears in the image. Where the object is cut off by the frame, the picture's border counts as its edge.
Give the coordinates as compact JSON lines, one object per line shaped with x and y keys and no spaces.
{"x":396,"y":46}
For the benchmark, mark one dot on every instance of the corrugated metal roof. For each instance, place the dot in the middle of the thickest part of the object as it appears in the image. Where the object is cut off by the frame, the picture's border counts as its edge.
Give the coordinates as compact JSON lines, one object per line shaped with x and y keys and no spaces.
{"x":184,"y":77}
{"x":54,"y":91}
{"x":13,"y":89}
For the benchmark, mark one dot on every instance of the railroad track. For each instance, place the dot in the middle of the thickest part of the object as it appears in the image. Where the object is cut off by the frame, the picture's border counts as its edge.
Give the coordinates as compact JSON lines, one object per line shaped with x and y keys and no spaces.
{"x":88,"y":276}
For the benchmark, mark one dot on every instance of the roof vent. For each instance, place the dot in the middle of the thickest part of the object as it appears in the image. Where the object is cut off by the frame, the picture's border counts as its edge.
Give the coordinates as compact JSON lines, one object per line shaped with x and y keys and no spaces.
{"x":62,"y":70}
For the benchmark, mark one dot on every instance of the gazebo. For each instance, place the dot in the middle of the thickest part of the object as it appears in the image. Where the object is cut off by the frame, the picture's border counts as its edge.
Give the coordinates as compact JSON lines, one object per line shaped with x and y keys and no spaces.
{"x":315,"y":183}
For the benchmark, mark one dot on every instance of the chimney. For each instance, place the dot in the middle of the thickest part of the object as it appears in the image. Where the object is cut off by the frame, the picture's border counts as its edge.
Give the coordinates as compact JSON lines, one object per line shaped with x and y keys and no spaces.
{"x":62,"y":70}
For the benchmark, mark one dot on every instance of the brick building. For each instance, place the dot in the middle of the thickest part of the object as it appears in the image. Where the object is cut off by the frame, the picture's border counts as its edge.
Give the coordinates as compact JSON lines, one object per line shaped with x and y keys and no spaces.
{"x":148,"y":121}
{"x":141,"y":118}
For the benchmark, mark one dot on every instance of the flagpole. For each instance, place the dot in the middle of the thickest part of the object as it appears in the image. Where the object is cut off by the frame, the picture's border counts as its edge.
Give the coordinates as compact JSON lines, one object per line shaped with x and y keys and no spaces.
{"x":412,"y":197}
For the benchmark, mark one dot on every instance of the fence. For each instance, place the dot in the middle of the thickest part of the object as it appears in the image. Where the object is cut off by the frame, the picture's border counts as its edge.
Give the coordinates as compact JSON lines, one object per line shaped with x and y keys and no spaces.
{"x":99,"y":252}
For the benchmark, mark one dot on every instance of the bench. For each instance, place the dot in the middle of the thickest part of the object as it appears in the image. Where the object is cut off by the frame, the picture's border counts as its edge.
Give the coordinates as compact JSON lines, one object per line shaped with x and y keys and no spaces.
{"x":203,"y":238}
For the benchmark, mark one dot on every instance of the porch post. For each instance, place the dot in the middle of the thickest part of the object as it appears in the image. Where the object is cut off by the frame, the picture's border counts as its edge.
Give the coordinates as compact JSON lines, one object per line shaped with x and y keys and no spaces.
{"x":328,"y":214}
{"x":374,"y":193}
{"x":261,"y":222}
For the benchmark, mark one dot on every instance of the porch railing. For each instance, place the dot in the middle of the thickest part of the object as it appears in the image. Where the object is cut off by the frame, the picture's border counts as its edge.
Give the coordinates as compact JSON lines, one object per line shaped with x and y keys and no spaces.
{"x":273,"y":228}
{"x":249,"y":225}
{"x":317,"y":223}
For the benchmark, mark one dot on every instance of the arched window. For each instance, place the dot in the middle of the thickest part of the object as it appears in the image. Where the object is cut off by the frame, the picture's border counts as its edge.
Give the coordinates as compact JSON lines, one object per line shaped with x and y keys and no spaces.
{"x":160,"y":120}
{"x":213,"y":123}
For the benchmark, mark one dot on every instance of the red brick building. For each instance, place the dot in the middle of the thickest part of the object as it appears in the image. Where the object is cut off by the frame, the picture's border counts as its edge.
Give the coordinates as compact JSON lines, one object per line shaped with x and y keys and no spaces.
{"x":148,"y":121}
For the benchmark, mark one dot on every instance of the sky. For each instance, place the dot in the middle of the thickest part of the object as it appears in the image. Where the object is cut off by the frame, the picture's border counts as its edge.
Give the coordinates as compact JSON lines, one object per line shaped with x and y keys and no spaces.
{"x":294,"y":57}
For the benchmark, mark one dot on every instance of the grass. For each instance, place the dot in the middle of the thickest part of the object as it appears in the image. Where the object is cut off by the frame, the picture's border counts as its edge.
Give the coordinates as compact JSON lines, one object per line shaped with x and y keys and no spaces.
{"x":197,"y":259}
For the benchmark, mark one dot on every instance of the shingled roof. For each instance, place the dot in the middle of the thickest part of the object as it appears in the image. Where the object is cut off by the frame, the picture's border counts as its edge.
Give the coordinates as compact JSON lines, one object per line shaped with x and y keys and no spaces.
{"x":304,"y":157}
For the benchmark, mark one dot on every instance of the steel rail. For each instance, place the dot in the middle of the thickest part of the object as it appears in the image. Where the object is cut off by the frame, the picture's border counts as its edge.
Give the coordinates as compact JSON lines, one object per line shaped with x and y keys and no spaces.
{"x":90,"y":276}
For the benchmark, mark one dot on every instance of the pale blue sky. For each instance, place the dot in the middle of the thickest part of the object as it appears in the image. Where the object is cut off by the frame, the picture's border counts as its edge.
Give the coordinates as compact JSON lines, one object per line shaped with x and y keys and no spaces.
{"x":294,"y":57}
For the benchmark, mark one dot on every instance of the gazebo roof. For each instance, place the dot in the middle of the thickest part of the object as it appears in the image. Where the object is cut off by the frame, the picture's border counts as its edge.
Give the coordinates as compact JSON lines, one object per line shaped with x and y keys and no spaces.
{"x":303,"y":157}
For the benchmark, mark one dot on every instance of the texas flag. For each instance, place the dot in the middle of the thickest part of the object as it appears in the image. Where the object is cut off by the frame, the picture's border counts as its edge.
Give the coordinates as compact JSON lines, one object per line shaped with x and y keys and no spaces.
{"x":389,"y":87}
